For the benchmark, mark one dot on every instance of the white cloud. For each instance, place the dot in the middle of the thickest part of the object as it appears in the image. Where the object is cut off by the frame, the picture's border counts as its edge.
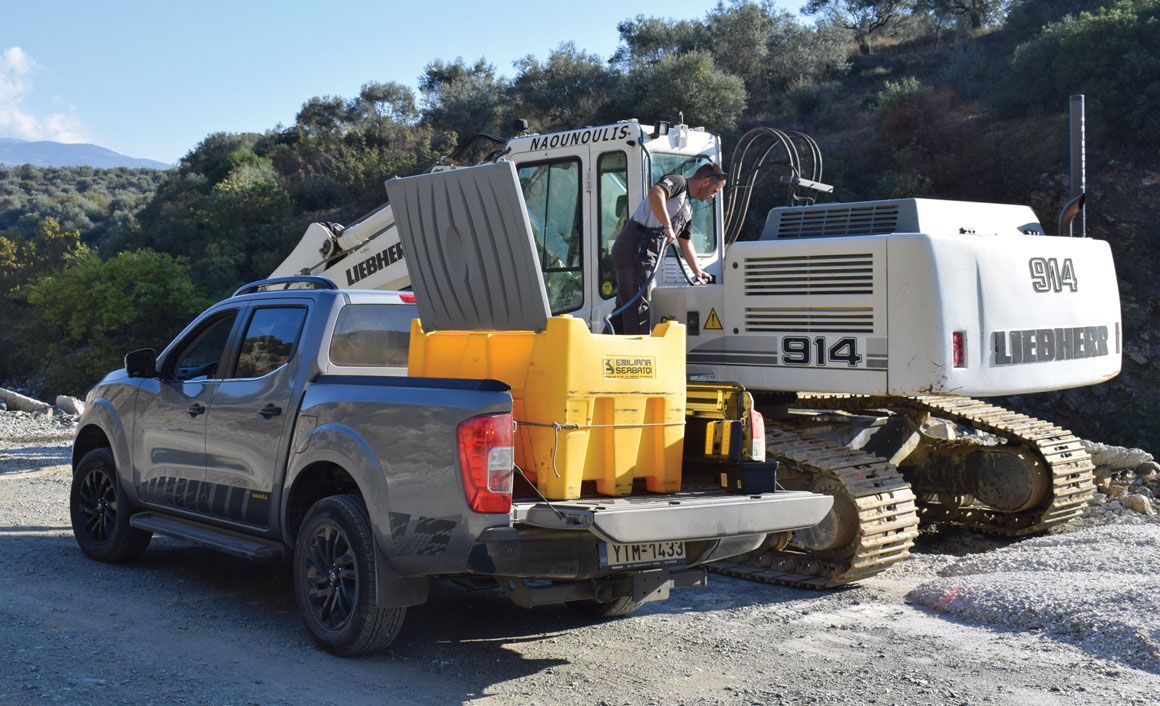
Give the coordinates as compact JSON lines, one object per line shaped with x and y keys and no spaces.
{"x":16,"y":69}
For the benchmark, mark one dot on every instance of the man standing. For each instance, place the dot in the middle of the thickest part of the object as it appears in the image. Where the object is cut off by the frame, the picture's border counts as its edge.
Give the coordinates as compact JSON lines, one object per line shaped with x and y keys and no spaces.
{"x":664,"y":215}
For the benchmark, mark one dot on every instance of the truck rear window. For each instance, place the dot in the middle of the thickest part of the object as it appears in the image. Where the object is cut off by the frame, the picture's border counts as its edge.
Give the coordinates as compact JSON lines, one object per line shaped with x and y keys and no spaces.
{"x":372,"y":335}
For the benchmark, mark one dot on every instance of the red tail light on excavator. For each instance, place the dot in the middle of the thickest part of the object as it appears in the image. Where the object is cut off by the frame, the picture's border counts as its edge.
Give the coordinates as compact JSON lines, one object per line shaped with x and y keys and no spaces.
{"x":757,"y":435}
{"x":487,"y":459}
{"x":959,"y":348}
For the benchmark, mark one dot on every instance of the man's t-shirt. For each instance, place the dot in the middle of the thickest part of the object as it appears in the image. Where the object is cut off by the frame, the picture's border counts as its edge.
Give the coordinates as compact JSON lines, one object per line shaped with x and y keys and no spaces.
{"x":677,"y":204}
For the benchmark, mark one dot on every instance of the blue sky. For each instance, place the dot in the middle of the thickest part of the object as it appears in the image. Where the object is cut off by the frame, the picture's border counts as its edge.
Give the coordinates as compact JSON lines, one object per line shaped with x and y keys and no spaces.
{"x":151,"y":79}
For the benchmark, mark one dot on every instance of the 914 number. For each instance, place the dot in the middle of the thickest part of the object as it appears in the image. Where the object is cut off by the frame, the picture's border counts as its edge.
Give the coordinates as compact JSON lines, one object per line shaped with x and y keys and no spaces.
{"x":803,"y":350}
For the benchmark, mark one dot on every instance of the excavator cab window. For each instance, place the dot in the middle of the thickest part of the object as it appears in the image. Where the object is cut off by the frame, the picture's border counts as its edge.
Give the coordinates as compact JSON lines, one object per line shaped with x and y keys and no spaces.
{"x":552,"y":194}
{"x":704,"y":226}
{"x":612,"y":194}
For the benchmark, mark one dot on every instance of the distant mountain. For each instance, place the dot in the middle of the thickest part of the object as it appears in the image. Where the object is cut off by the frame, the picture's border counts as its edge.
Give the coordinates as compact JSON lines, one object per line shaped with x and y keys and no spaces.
{"x":44,"y":153}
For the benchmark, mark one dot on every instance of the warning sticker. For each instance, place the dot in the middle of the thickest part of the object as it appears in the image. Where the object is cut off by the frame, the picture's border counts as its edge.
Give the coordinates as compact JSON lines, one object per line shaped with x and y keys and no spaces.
{"x":712,"y":323}
{"x":629,"y":367}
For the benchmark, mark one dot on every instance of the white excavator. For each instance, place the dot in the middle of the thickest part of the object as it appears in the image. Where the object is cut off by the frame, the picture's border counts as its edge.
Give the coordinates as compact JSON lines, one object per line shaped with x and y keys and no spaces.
{"x":864,"y":330}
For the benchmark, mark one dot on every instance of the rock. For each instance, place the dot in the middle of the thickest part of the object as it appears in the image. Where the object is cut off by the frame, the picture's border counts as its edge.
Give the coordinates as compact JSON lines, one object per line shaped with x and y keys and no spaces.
{"x":939,"y":429}
{"x":1139,"y":503}
{"x":1116,"y":490}
{"x":20,"y":403}
{"x":1116,"y":457}
{"x":1148,"y":469}
{"x":70,"y":405}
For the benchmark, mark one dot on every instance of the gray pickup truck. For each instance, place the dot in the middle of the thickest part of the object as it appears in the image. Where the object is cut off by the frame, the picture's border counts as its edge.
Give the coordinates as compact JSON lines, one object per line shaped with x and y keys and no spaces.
{"x":282,"y":424}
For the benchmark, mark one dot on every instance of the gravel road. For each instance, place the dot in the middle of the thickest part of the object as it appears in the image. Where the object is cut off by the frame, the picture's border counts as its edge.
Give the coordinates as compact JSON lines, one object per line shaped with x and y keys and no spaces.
{"x":187,"y":625}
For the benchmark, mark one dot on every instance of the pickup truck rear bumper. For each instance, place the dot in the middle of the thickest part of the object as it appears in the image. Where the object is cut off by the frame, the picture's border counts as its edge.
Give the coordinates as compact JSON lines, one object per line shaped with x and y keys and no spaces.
{"x":561,"y":540}
{"x":505,"y":551}
{"x":679,"y":517}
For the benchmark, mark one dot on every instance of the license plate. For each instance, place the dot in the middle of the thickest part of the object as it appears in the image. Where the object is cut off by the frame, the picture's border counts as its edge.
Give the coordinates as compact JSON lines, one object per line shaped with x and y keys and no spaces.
{"x":615,"y":555}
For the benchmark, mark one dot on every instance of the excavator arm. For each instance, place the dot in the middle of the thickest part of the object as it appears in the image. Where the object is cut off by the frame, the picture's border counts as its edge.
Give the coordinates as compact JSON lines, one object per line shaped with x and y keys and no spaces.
{"x":366,"y":254}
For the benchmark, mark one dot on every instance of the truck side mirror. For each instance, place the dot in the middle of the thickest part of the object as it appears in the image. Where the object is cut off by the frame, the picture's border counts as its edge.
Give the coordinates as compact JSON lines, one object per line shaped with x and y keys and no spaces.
{"x":141,"y":363}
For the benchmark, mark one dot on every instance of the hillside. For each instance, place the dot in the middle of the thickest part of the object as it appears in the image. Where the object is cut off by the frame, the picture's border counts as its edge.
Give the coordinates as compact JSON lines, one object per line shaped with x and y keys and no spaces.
{"x":931,"y":105}
{"x":45,"y":153}
{"x":96,"y":203}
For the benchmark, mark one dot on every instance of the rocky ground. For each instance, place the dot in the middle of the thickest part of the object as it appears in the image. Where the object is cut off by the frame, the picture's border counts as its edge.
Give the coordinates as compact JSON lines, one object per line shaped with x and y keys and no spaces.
{"x":1070,"y":618}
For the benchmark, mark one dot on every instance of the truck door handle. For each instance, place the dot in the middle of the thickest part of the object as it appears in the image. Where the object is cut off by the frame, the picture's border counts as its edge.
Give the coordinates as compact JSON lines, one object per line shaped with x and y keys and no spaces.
{"x":270,"y":410}
{"x":195,"y":409}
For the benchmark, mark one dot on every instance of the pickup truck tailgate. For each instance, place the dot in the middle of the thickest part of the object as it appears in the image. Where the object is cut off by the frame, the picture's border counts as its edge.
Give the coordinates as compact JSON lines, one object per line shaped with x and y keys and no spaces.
{"x":643,"y":518}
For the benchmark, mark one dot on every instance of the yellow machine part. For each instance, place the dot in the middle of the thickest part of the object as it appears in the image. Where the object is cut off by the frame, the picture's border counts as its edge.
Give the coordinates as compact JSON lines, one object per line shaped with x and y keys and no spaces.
{"x":721,"y":409}
{"x":588,"y":407}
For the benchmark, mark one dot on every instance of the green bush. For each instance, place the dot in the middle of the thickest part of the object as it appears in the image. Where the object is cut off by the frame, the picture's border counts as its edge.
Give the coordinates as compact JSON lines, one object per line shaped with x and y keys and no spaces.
{"x":686,"y":83}
{"x":898,"y":93}
{"x":94,"y":311}
{"x":1112,"y":56}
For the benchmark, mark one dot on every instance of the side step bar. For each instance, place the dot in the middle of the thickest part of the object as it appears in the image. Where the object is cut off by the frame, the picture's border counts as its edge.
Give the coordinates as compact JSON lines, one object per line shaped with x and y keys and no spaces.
{"x":207,"y":535}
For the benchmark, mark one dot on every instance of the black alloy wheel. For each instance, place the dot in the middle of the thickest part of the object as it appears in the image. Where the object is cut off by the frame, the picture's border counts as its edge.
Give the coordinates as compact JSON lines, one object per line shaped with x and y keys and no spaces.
{"x":100,"y":513}
{"x":331,"y":576}
{"x":335,"y":580}
{"x":97,"y":502}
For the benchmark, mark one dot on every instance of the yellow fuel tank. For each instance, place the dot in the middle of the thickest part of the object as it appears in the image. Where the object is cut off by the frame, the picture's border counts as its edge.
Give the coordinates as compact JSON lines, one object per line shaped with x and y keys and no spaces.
{"x":589,"y":407}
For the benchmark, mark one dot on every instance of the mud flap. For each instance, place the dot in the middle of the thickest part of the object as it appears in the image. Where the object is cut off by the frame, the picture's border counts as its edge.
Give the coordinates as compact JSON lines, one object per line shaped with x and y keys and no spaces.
{"x":394,"y":591}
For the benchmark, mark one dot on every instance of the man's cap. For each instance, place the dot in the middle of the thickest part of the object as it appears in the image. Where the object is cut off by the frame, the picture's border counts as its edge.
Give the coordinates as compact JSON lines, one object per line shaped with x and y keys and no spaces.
{"x":709,"y":169}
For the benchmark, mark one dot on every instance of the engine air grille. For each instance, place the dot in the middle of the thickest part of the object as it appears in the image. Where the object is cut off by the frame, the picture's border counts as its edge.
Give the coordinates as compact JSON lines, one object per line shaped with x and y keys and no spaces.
{"x":809,"y":274}
{"x":809,"y":320}
{"x":837,"y":220}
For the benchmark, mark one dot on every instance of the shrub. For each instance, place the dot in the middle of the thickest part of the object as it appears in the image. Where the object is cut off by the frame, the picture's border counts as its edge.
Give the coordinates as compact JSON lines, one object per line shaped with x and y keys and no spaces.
{"x":899,"y":93}
{"x":1112,"y":56}
{"x":95,"y":310}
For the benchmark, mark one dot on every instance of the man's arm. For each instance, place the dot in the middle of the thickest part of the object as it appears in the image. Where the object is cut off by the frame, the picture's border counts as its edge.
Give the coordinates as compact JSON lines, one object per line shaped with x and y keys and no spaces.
{"x":657,"y":201}
{"x":691,"y":258}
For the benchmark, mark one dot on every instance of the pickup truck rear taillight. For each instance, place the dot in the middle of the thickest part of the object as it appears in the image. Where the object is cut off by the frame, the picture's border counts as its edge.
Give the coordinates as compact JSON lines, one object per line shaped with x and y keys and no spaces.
{"x":487,"y":457}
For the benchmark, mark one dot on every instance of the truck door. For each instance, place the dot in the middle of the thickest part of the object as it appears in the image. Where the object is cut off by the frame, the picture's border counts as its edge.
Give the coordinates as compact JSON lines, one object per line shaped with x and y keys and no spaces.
{"x":169,"y":458}
{"x":252,"y":409}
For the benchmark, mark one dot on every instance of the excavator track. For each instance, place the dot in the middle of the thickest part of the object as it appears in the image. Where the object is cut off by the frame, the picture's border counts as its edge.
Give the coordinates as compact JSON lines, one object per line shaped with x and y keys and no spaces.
{"x":1072,"y":483}
{"x":872,"y":527}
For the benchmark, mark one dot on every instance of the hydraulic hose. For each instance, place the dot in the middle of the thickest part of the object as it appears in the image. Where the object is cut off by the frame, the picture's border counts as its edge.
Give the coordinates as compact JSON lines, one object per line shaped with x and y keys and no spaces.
{"x":608,"y":327}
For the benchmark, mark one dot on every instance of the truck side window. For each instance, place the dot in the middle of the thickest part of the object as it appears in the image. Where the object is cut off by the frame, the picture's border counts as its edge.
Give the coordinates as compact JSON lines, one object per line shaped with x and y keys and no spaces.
{"x":612,"y":194}
{"x":269,"y":340}
{"x":200,"y":355}
{"x":552,"y":194}
{"x":372,"y":335}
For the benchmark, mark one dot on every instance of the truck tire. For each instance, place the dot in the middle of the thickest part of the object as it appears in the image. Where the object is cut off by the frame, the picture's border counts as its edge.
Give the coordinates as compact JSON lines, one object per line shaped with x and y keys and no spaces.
{"x":334,"y":579}
{"x":100,"y":513}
